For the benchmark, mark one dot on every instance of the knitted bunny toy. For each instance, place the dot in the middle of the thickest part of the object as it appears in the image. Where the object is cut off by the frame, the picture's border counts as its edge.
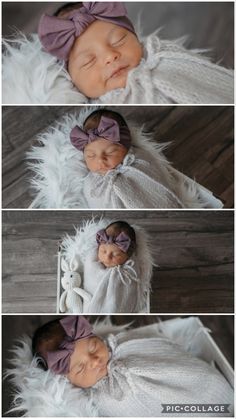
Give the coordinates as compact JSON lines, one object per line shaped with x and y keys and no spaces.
{"x":70,"y":300}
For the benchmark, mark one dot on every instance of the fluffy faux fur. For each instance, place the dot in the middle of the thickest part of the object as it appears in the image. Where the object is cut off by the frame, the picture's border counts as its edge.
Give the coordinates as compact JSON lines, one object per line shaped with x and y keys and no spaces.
{"x":168,"y":73}
{"x":31,"y":76}
{"x":37,"y":393}
{"x":59,"y":168}
{"x":78,"y":247}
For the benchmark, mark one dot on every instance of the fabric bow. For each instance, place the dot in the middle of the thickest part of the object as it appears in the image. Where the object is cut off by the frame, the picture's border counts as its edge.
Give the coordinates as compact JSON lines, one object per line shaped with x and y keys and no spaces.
{"x":122,"y":240}
{"x":108,"y":129}
{"x":57,"y":35}
{"x":76,"y":328}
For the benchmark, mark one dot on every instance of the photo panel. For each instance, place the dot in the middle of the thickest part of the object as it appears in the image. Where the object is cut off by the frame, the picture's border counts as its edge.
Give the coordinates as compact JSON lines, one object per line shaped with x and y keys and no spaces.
{"x":177,"y":157}
{"x":166,"y":353}
{"x":178,"y":262}
{"x":157,"y":55}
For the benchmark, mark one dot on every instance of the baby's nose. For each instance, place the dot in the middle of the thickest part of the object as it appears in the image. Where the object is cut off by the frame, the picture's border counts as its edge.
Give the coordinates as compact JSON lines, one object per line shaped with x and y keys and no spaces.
{"x":95,"y":362}
{"x":111,"y":55}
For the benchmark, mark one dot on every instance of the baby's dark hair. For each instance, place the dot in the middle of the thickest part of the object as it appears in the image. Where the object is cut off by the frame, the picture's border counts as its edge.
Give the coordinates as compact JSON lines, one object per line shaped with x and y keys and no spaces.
{"x":67,"y":8}
{"x":47,"y":338}
{"x":92,"y":121}
{"x":114,"y":229}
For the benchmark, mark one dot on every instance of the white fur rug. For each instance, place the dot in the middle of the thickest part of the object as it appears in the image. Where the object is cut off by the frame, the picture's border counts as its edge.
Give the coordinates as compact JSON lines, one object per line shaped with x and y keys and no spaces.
{"x":168,"y":73}
{"x":134,"y":294}
{"x":59,"y":169}
{"x":37,"y":393}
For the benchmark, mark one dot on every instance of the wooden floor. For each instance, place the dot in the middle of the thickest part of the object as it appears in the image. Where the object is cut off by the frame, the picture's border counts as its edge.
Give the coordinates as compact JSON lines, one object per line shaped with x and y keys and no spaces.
{"x":13,"y":327}
{"x":202,"y":144}
{"x":196,"y":20}
{"x":193,"y":251}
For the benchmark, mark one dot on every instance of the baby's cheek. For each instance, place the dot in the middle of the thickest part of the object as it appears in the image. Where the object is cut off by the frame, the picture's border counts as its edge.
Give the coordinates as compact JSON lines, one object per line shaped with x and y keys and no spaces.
{"x":87,"y":82}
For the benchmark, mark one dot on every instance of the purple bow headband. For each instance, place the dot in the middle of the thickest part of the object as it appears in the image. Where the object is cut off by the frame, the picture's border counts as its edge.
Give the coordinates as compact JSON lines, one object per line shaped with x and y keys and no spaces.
{"x":108,"y":129}
{"x":76,"y":328}
{"x":57,"y":35}
{"x":122,"y":240}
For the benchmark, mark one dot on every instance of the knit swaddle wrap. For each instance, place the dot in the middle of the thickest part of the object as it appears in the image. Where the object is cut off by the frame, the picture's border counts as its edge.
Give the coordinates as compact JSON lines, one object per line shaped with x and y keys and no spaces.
{"x":169,"y":73}
{"x":145,"y":373}
{"x":113,"y":290}
{"x":136,"y":183}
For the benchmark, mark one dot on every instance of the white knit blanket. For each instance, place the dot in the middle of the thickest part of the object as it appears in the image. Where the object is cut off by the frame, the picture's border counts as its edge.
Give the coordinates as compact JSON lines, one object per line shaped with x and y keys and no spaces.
{"x":146,"y":178}
{"x":147,"y":368}
{"x":114,"y":290}
{"x":168,"y":73}
{"x":145,"y":373}
{"x":121,"y":289}
{"x":138,"y":182}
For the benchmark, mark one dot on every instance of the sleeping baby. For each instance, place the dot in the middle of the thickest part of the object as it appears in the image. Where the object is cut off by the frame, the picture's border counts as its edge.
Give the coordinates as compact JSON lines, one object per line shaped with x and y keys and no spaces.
{"x":107,"y":63}
{"x":126,"y":375}
{"x":110,"y":275}
{"x":120,"y":176}
{"x":90,"y":53}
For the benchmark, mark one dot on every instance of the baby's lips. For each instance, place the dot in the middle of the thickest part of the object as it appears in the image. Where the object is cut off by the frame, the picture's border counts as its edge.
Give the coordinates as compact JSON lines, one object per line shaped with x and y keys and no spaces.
{"x":117,"y":70}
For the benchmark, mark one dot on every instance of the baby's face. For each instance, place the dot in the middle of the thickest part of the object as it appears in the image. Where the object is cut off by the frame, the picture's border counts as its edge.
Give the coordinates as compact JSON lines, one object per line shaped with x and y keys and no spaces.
{"x":110,"y":255}
{"x":102,"y":155}
{"x":101,"y":58}
{"x":88,"y":362}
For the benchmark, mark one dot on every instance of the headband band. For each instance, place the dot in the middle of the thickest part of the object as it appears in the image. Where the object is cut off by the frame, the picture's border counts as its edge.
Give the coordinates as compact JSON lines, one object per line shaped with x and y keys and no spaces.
{"x":58,"y":35}
{"x":108,"y":128}
{"x":122,"y":240}
{"x":76,"y":328}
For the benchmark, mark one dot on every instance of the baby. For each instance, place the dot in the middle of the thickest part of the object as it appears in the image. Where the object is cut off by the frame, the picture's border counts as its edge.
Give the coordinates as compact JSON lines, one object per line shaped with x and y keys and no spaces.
{"x":116,"y":244}
{"x":110,"y":275}
{"x":96,"y":40}
{"x":120,"y":176}
{"x":127,"y":375}
{"x":108,"y":64}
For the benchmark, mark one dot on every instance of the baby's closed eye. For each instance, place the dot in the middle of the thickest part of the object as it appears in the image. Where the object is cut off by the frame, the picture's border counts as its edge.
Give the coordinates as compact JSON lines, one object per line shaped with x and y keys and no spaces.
{"x":79,"y":368}
{"x":90,"y":156}
{"x":119,"y":41}
{"x":89,"y":62}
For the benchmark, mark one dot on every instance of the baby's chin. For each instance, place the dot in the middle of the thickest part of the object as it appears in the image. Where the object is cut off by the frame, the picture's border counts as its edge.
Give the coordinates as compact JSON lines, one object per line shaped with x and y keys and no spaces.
{"x":117,"y":82}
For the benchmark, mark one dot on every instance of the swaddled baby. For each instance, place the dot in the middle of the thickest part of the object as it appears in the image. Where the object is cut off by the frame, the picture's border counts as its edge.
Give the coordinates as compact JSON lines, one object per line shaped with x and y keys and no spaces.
{"x":120,"y":176}
{"x":108,"y":64}
{"x":127,"y":375}
{"x":110,"y":275}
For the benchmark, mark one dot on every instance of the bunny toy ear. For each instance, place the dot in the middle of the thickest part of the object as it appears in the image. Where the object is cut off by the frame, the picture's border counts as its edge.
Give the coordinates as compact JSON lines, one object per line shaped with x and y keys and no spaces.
{"x":74,"y":264}
{"x":64,"y":265}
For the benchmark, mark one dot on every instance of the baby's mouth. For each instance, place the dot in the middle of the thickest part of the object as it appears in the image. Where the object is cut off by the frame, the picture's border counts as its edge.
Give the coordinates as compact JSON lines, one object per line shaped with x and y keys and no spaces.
{"x":120,"y":71}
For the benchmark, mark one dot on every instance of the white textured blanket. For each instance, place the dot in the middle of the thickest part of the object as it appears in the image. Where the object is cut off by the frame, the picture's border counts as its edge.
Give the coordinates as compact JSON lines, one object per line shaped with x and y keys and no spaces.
{"x":139,"y":182}
{"x":168,"y":73}
{"x":142,"y":356}
{"x":121,"y":289}
{"x":146,"y":179}
{"x":114,"y":290}
{"x":143,"y":374}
